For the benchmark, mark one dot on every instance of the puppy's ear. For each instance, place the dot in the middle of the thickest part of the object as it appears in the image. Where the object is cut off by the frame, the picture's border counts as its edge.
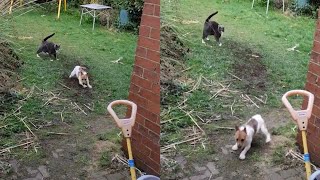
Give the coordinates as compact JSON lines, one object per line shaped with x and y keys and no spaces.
{"x":236,"y":128}
{"x":245,"y":130}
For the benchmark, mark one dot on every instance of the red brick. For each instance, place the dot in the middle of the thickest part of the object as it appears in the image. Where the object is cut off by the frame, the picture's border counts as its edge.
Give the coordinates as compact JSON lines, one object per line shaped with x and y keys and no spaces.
{"x":156,"y":88}
{"x":316,"y":111}
{"x":149,"y":43}
{"x":140,"y":119}
{"x":149,"y":143}
{"x":156,"y":2}
{"x":317,"y":122}
{"x":143,"y":131}
{"x":145,"y":150}
{"x":312,"y":78}
{"x":155,"y":33}
{"x":155,"y":138}
{"x":136,"y":135}
{"x":147,"y":64}
{"x":316,"y":101}
{"x":157,"y":10}
{"x":138,"y":70}
{"x":151,"y":163}
{"x":141,"y":52}
{"x":154,"y":107}
{"x":147,"y":114}
{"x":152,"y":126}
{"x":314,"y":68}
{"x":153,"y":55}
{"x":141,"y":82}
{"x":311,"y":128}
{"x":150,"y":96}
{"x":134,"y":89}
{"x":311,"y":87}
{"x":137,"y":99}
{"x":151,"y":21}
{"x":317,"y":35}
{"x":144,"y":31}
{"x":148,"y":9}
{"x":151,"y":76}
{"x":155,"y":156}
{"x":316,"y":46}
{"x":139,"y":163}
{"x":315,"y":57}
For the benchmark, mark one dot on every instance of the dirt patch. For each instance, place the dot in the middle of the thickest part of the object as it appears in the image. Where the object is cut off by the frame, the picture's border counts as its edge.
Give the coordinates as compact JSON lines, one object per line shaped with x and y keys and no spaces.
{"x":75,"y":90}
{"x":249,"y":67}
{"x":172,"y":51}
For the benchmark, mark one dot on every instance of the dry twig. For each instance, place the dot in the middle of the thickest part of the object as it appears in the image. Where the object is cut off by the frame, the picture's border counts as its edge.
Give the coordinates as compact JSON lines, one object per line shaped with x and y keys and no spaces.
{"x":80,"y":108}
{"x":15,"y":146}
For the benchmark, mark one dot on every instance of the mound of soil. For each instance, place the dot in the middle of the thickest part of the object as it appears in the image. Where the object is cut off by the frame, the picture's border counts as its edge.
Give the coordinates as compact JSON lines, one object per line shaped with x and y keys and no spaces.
{"x":9,"y":62}
{"x":172,"y":51}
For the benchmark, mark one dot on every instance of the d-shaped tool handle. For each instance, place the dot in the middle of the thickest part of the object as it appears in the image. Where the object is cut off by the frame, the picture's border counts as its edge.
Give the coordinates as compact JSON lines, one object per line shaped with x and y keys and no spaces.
{"x":127,"y":123}
{"x":301,"y":116}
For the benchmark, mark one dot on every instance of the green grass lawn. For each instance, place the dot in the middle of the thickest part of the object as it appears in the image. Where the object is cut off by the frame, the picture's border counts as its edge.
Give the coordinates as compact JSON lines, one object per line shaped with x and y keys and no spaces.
{"x":40,"y":76}
{"x":248,"y":33}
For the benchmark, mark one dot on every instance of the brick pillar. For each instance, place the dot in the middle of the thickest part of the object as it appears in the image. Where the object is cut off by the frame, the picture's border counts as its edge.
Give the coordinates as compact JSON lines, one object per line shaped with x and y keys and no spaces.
{"x":313,"y":86}
{"x":145,"y":91}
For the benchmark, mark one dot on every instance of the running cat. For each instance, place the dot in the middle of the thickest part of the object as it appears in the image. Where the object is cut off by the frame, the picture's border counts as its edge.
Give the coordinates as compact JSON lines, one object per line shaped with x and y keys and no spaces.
{"x":212,"y":28}
{"x":48,"y":47}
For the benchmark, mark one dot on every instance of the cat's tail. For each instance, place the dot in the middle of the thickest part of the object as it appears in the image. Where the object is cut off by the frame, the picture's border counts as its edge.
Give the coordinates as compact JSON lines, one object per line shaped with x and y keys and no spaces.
{"x":207,"y":20}
{"x":46,"y":38}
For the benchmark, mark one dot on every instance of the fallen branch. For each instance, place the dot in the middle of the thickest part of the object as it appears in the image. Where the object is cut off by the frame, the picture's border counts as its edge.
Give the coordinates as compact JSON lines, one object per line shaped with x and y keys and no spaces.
{"x":221,"y":127}
{"x":61,"y":114}
{"x":64,"y":86}
{"x":252,"y":101}
{"x":15,"y":146}
{"x":88,"y":107}
{"x":195,"y":87}
{"x":235,"y":76}
{"x":22,"y":120}
{"x":260,"y":100}
{"x":80,"y":109}
{"x":57,"y":133}
{"x":177,"y":143}
{"x":231,"y":107}
{"x":189,"y":114}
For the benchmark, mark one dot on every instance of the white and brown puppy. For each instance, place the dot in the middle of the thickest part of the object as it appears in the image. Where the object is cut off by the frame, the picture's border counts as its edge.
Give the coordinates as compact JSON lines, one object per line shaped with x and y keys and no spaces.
{"x":80,"y":73}
{"x":244,"y":134}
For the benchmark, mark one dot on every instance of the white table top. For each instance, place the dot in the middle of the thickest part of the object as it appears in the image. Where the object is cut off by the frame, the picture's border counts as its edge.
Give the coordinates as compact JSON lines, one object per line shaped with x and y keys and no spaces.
{"x":95,"y":6}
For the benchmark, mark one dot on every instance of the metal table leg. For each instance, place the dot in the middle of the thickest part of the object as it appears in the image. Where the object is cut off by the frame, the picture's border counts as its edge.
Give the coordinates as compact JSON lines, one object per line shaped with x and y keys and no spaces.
{"x":81,"y":16}
{"x":94,"y":18}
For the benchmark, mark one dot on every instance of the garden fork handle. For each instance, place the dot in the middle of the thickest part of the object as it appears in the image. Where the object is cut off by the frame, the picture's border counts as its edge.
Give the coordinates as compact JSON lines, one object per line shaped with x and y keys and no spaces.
{"x":125,"y":124}
{"x":300,"y":117}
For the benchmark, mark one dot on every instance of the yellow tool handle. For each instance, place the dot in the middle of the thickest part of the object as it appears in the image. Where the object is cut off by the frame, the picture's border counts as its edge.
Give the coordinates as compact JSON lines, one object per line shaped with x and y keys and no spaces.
{"x":65,"y":5}
{"x":306,"y":154}
{"x":59,"y":8}
{"x":130,"y":161}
